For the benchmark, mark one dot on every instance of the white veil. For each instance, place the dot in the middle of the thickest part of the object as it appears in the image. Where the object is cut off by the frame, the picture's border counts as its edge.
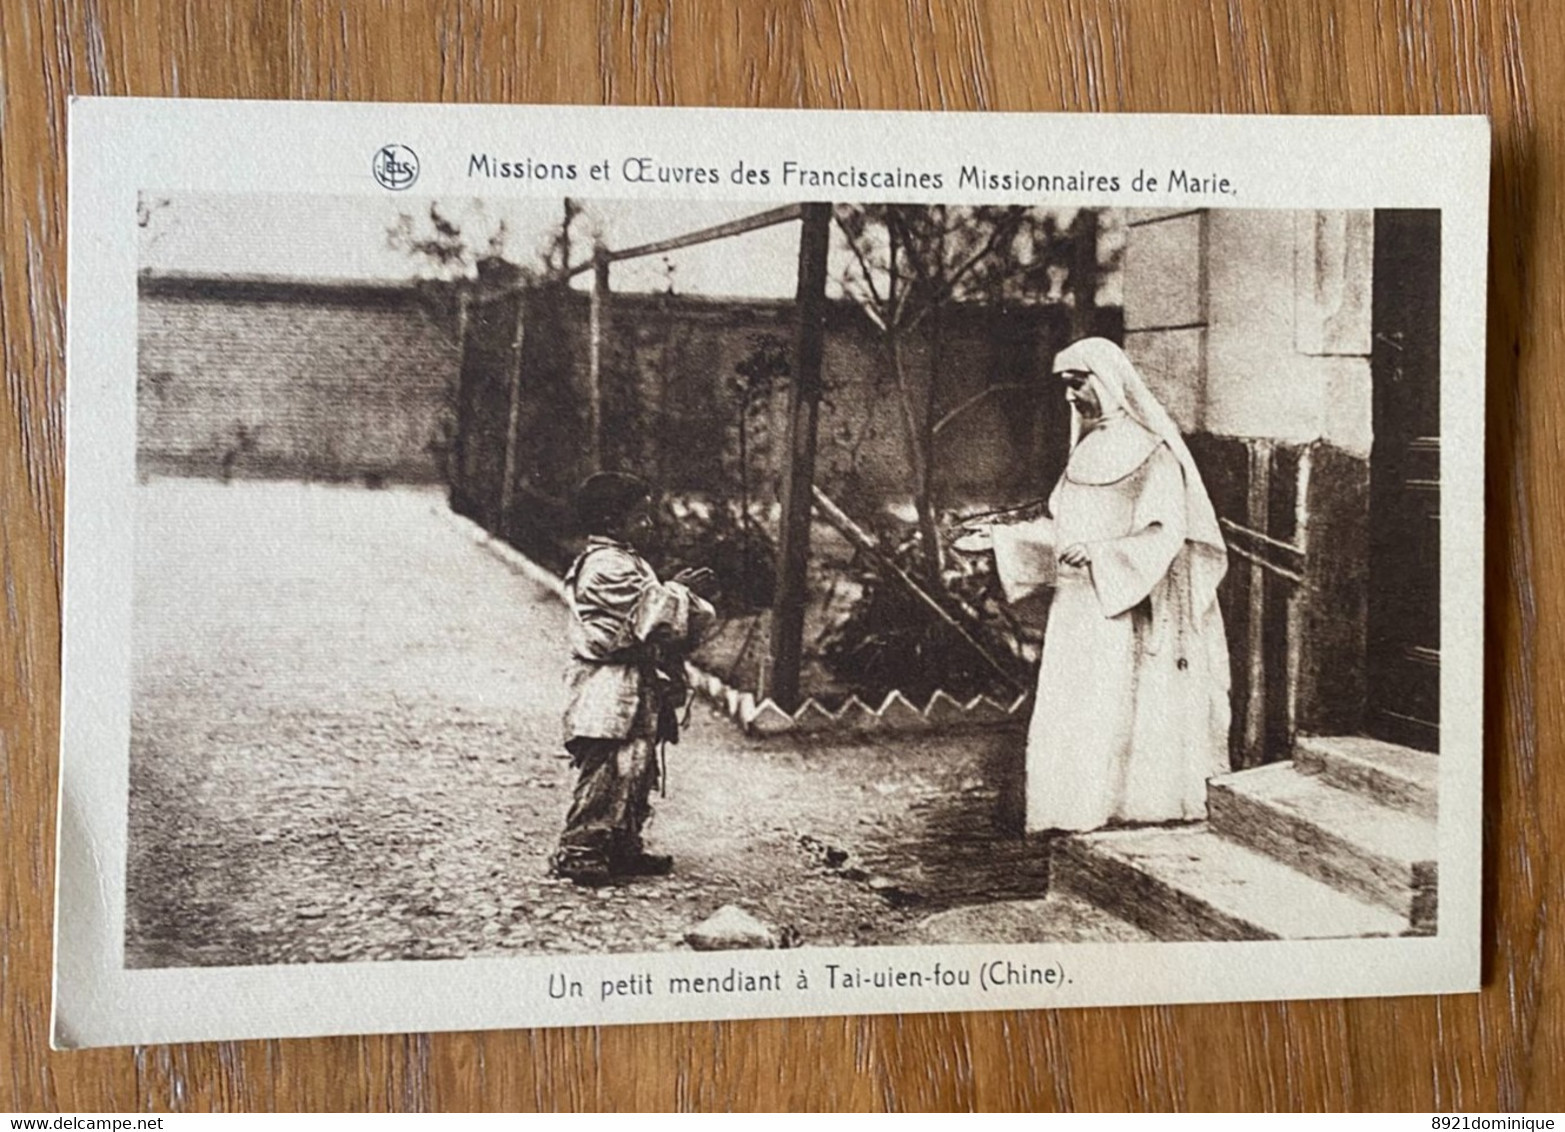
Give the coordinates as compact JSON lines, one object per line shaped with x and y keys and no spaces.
{"x":1122,"y":387}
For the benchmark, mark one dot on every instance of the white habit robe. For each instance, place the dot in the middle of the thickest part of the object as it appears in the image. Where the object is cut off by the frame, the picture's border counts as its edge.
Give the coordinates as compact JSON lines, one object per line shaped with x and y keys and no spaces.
{"x":1131,"y":717}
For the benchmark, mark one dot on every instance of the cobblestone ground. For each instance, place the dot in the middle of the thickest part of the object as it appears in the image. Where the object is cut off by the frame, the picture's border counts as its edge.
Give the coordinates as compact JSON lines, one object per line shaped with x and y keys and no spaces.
{"x":345,"y":746}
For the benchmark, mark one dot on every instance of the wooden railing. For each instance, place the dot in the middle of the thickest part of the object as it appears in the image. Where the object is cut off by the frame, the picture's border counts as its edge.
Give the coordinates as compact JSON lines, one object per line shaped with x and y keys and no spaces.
{"x":1271,"y":562}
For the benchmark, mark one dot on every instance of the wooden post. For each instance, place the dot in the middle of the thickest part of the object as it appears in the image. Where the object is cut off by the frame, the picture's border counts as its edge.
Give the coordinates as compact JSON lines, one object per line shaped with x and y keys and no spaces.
{"x":1296,"y":593}
{"x":456,"y":456}
{"x":514,"y":415}
{"x":785,"y":651}
{"x":598,"y":330}
{"x":1256,"y":515}
{"x":1084,"y":272}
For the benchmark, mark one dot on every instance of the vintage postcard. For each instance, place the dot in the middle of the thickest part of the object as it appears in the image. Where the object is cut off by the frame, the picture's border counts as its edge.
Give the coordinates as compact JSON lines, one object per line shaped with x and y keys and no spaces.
{"x":536,"y":566}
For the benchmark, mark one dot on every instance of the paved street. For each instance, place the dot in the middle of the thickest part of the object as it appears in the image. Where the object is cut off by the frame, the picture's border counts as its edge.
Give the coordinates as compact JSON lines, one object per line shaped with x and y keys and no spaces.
{"x":345,"y":746}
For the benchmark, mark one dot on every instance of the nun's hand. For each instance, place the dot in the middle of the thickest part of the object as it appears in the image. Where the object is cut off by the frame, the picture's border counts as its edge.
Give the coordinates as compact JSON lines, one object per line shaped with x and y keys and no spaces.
{"x":1076,"y":554}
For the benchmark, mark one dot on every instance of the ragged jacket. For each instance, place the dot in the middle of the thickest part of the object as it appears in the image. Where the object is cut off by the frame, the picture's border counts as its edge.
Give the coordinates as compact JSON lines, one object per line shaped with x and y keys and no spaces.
{"x":618,"y":608}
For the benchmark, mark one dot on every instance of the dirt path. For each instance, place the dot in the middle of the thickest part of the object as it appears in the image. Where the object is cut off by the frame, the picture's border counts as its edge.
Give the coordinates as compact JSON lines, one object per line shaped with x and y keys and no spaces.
{"x":345,"y":746}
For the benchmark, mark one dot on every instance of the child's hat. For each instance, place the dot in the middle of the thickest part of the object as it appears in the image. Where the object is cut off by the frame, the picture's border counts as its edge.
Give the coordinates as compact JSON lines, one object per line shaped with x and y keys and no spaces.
{"x":607,"y":497}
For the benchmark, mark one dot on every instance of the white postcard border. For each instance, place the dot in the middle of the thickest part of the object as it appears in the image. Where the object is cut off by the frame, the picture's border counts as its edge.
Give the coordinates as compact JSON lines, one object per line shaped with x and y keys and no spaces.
{"x":119,"y":147}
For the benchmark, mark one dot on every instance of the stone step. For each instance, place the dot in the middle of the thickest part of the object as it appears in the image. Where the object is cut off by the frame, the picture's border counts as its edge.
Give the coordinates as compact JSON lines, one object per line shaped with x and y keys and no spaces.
{"x":1188,"y":883}
{"x":1345,"y":839}
{"x":1395,"y":776}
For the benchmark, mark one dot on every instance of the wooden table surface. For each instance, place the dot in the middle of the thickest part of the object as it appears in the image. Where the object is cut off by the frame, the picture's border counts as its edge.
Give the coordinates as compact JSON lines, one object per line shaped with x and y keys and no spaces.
{"x":1502,"y":1049}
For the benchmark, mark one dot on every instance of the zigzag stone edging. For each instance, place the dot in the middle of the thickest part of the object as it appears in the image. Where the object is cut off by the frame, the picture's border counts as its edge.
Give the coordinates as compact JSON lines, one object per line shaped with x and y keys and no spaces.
{"x":763,"y":717}
{"x":896,"y":713}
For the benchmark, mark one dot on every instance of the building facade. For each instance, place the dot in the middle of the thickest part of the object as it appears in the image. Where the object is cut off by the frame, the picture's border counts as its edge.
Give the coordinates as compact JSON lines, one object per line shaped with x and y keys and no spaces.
{"x":1299,"y":352}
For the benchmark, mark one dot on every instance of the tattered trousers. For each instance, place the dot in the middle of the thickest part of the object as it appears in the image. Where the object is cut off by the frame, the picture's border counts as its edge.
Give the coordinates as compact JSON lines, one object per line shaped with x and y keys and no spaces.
{"x":615,"y":779}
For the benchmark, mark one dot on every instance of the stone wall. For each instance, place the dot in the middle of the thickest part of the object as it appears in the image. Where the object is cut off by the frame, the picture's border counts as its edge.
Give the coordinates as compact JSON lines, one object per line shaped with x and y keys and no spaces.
{"x":671,"y":406}
{"x":1255,"y":323}
{"x":292,"y":378}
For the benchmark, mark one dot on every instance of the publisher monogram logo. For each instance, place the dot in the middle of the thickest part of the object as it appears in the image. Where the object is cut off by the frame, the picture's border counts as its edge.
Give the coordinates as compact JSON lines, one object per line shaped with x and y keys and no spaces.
{"x":395,"y":167}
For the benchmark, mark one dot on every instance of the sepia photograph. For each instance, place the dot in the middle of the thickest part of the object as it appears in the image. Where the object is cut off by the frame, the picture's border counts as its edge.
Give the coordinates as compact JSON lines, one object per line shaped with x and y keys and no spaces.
{"x":574,"y":576}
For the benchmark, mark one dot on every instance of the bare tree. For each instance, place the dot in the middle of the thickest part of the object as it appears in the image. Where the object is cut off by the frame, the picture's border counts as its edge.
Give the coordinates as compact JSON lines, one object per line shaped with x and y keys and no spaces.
{"x":911,"y":264}
{"x":439,"y":239}
{"x":557,"y":250}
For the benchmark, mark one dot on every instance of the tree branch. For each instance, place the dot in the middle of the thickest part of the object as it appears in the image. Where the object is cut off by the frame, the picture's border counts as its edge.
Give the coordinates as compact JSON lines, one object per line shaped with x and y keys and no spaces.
{"x":969,"y":402}
{"x":864,"y":269}
{"x":1001,"y":233}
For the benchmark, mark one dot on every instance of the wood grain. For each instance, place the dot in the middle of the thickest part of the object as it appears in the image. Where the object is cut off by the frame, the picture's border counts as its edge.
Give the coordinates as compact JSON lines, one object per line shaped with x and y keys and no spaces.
{"x":1502,"y":1049}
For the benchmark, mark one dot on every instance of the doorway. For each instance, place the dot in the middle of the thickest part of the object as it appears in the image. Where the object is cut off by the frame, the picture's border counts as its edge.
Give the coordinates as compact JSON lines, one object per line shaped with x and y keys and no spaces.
{"x":1403,"y":641}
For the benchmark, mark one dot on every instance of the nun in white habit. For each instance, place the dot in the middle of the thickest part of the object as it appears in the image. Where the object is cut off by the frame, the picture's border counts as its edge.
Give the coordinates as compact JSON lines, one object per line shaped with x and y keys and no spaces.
{"x":1132,"y":710}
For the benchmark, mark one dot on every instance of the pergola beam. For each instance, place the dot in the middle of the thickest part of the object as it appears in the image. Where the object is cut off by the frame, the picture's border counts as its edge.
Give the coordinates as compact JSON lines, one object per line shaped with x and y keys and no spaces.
{"x":739,"y":227}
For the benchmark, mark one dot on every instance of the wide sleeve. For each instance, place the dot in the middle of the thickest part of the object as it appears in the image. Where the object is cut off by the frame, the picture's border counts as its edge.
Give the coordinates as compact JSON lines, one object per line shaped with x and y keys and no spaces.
{"x":607,"y":598}
{"x":1125,"y":570}
{"x":1025,"y":557}
{"x":671,"y":611}
{"x":703,"y":615}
